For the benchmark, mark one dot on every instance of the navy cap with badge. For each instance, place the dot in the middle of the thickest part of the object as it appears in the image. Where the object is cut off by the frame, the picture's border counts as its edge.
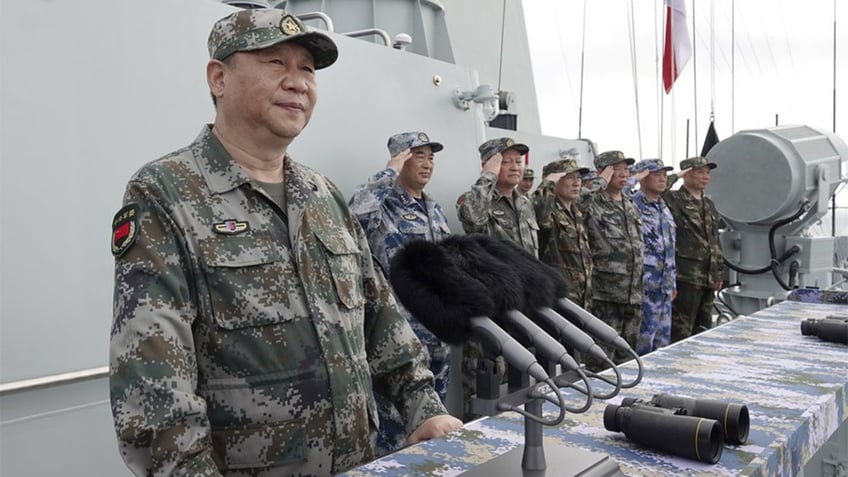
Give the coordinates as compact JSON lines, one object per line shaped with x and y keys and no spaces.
{"x":409,"y":140}
{"x":650,"y":165}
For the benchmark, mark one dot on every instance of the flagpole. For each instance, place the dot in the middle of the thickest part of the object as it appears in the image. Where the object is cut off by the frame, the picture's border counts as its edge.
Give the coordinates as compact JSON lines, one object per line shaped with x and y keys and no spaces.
{"x":582,"y":69}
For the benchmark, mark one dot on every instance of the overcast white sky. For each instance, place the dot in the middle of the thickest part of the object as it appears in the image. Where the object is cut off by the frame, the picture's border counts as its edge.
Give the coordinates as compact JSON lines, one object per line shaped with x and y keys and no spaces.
{"x":783,"y":65}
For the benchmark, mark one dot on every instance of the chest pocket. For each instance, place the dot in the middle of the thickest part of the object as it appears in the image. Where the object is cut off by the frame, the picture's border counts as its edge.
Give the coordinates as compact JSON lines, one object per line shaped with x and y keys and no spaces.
{"x":343,"y":262}
{"x":412,"y":229}
{"x":568,"y":236}
{"x":248,"y":279}
{"x":505,"y":219}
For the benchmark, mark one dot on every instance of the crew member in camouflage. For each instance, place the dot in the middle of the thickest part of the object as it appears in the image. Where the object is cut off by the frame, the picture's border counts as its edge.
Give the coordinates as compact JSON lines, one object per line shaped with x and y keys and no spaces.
{"x":563,"y":242}
{"x":493,"y":206}
{"x":615,"y":237}
{"x":526,"y":183}
{"x":700,"y":263}
{"x":393,"y":209}
{"x":658,"y":237}
{"x":250,"y":323}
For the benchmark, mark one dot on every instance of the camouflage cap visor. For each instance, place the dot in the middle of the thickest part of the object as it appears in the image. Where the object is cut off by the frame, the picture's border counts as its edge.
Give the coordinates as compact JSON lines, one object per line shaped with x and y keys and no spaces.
{"x":250,"y":30}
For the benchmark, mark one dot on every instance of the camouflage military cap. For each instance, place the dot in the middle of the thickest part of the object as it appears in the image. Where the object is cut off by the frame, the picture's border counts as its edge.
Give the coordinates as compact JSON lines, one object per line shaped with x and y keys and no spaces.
{"x":529,"y":174}
{"x":566,"y":166}
{"x":501,"y":144}
{"x":408,"y":140}
{"x":255,"y":29}
{"x":609,"y":158}
{"x":696,"y":162}
{"x":652,"y":165}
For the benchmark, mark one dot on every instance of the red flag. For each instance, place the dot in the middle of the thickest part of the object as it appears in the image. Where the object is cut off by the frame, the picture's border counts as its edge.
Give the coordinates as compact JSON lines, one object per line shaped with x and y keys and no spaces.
{"x":678,"y":47}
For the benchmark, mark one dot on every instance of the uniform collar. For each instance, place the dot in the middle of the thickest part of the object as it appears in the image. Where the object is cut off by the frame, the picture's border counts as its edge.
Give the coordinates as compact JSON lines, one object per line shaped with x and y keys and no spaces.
{"x":223,"y":174}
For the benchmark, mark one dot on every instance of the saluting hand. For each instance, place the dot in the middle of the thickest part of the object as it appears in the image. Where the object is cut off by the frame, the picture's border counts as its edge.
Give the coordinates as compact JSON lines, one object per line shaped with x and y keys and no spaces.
{"x":493,"y":164}
{"x":554,"y":177}
{"x":683,"y":172}
{"x":398,"y":160}
{"x":606,"y":173}
{"x":641,"y":174}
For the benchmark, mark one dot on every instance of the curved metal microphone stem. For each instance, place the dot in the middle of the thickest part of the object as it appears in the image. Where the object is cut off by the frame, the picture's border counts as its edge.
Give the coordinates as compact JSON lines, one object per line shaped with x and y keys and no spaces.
{"x":540,"y":395}
{"x":601,"y":331}
{"x":641,"y":370}
{"x":549,"y":347}
{"x":580,"y":341}
{"x":615,"y":383}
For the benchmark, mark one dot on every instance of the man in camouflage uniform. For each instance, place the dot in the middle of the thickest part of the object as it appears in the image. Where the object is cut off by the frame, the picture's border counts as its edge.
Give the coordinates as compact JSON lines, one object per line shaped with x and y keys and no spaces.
{"x":615,"y":237}
{"x":393,"y":209}
{"x":563,"y":242}
{"x":658,"y":237}
{"x":250,"y":322}
{"x":700,"y":263}
{"x":526,"y":182}
{"x":493,"y":206}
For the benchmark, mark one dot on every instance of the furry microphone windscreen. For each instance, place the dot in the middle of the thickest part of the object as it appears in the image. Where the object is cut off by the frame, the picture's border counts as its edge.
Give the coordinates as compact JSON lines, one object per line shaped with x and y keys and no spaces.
{"x":503,"y":285}
{"x":542,"y":284}
{"x":437,"y":292}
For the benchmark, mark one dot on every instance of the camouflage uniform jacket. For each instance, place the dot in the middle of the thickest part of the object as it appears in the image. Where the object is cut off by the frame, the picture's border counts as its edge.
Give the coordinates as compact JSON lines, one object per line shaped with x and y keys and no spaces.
{"x":615,"y":237}
{"x":236,"y":353}
{"x":563,"y":242}
{"x":699,"y":258}
{"x":658,"y":243}
{"x":391,"y":216}
{"x":485,"y":210}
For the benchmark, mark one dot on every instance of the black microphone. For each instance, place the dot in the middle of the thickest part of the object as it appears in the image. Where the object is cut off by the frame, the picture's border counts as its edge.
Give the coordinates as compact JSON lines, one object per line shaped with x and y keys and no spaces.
{"x":543,"y":284}
{"x":453,"y":305}
{"x":544,"y":343}
{"x":569,"y":333}
{"x":515,"y":287}
{"x":591,"y":324}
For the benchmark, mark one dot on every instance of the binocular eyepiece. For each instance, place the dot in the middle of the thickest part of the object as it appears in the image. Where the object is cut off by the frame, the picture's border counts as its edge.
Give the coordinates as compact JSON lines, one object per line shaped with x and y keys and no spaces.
{"x":732,"y":417}
{"x":687,"y":427}
{"x":668,"y":430}
{"x":832,"y":328}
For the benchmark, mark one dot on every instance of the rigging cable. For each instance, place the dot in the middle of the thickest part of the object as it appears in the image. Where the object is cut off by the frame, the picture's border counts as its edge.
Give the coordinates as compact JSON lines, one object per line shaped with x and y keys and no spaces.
{"x":582,"y":65}
{"x":500,"y":57}
{"x":833,"y":197}
{"x":694,"y":74}
{"x":712,"y":61}
{"x":631,"y":27}
{"x":733,"y":66}
{"x":657,"y":74}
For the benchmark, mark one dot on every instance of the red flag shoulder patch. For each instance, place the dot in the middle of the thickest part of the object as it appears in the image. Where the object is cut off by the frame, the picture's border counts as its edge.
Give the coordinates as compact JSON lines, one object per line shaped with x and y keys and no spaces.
{"x":124,"y":229}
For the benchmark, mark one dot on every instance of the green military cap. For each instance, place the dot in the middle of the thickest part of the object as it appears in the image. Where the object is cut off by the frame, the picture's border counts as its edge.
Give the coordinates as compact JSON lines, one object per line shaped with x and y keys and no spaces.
{"x":566,"y":166}
{"x":255,"y":29}
{"x":609,"y":158}
{"x":501,"y":144}
{"x":408,"y":140}
{"x":696,"y":162}
{"x":529,"y":174}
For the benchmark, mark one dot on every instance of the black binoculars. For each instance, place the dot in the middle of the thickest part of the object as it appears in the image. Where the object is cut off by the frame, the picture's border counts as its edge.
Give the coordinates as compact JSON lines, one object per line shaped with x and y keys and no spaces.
{"x":832,"y":328}
{"x":732,"y":417}
{"x":687,"y":427}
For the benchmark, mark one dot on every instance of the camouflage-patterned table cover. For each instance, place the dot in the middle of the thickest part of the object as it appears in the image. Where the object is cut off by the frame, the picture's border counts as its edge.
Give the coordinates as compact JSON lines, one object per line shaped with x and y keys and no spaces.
{"x":795,"y":388}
